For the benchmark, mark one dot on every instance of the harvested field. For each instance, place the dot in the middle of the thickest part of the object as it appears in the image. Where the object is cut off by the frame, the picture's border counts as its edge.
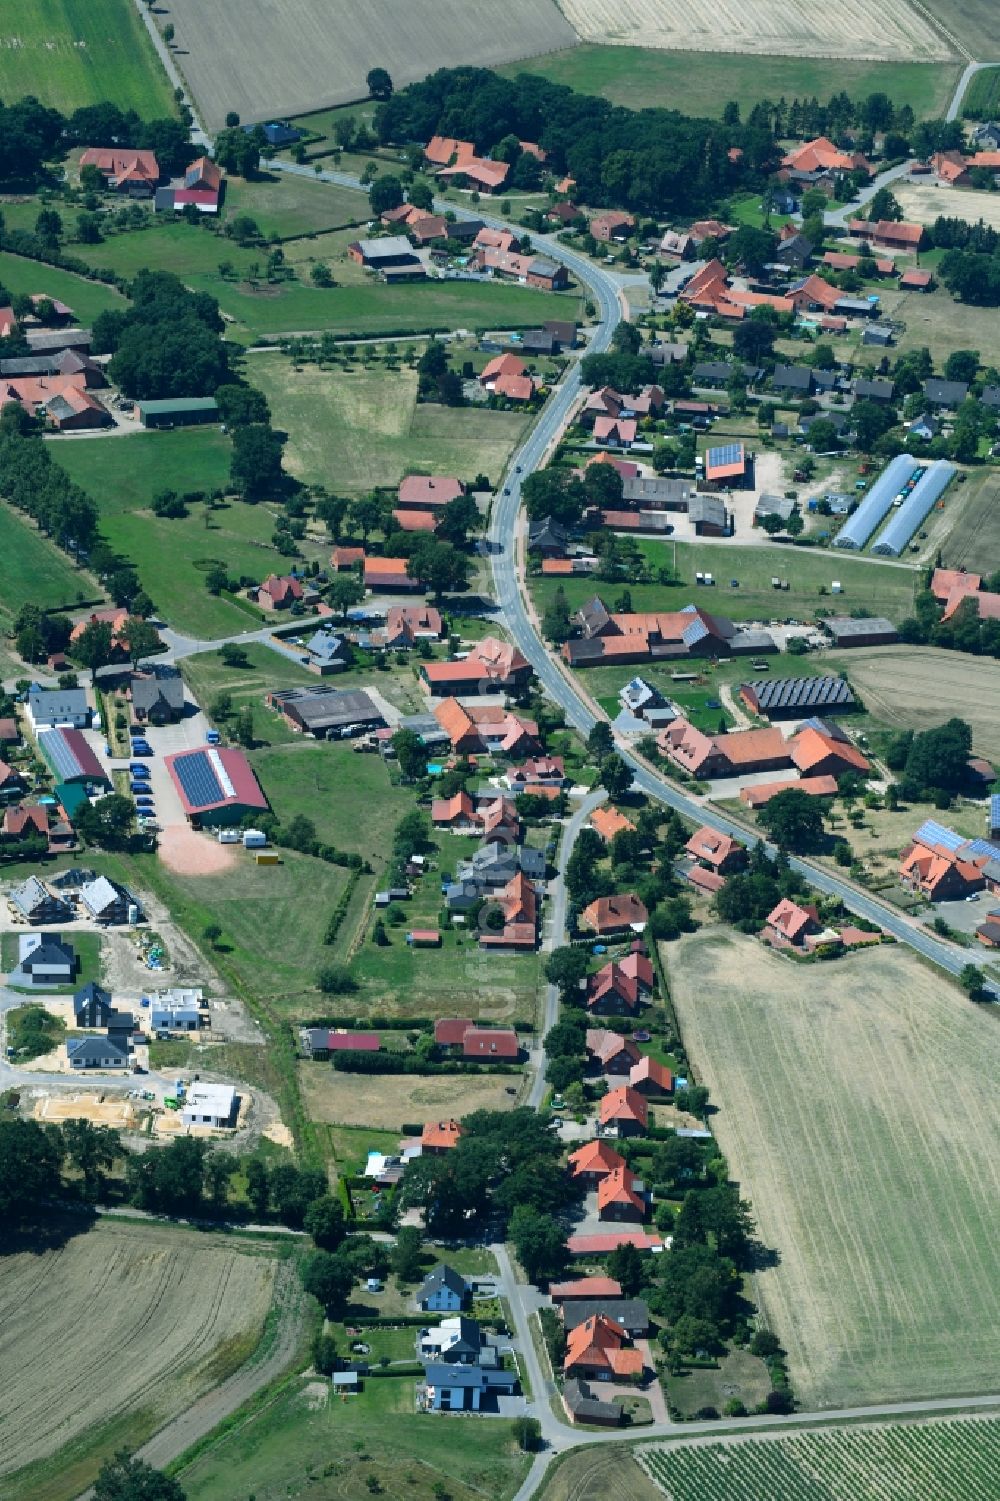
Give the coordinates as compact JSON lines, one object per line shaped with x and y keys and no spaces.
{"x":851,"y":29}
{"x":158,"y":1316}
{"x":390,"y":1099}
{"x":263,"y":60}
{"x":922,"y":202}
{"x":856,"y":1111}
{"x":974,"y":539}
{"x":915,"y":687}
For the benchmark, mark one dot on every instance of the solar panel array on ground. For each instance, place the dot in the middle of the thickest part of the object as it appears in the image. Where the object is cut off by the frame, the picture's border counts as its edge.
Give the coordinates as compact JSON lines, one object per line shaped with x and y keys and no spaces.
{"x":800,"y":693}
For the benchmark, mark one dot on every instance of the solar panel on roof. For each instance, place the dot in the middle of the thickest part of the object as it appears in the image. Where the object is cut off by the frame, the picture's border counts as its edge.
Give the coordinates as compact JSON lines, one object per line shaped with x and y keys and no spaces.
{"x":984,"y":847}
{"x":695,"y":632}
{"x":726,"y":453}
{"x":932,"y":832}
{"x":198,"y":780}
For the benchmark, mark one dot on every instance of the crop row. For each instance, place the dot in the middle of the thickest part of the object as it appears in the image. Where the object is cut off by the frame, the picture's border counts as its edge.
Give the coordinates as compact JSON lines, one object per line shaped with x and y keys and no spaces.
{"x":952,"y":1460}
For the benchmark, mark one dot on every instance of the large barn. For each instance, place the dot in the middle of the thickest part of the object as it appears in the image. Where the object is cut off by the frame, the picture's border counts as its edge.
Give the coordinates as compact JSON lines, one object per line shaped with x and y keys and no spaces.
{"x":216,"y":785}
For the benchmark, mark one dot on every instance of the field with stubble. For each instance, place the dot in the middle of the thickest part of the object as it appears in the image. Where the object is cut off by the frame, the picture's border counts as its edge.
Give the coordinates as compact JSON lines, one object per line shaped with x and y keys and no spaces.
{"x":856,"y":1107}
{"x":108,"y":1336}
{"x":917,"y":687}
{"x":893,"y":31}
{"x":265,"y":60}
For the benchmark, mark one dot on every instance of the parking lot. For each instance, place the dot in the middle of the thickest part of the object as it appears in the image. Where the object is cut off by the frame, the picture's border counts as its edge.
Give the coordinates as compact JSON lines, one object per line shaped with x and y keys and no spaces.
{"x":165,"y":740}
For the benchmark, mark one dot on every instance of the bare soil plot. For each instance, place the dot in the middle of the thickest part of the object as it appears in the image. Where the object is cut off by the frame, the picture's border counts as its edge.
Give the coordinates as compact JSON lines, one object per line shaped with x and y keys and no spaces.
{"x":923,"y":201}
{"x":192,"y":854}
{"x":852,"y":29}
{"x":265,"y":60}
{"x":107,"y":1337}
{"x":387,"y":1100}
{"x":99,"y":1109}
{"x":915,"y":687}
{"x":857,"y":1111}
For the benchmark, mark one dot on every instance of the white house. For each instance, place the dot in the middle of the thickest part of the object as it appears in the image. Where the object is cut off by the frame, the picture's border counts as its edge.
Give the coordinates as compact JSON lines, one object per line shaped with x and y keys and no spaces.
{"x":59,"y":706}
{"x":209,"y":1105}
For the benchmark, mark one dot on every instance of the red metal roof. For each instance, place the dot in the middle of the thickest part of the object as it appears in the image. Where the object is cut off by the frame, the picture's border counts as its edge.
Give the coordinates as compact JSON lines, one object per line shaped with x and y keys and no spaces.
{"x":353,"y":1042}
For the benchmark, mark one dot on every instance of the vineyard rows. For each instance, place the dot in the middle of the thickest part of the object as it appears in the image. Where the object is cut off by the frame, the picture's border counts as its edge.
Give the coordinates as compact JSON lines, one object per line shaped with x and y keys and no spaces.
{"x":953,"y":1460}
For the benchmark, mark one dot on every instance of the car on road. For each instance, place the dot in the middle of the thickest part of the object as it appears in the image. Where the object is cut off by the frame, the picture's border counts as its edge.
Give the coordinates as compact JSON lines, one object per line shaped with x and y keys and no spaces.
{"x":212,"y":737}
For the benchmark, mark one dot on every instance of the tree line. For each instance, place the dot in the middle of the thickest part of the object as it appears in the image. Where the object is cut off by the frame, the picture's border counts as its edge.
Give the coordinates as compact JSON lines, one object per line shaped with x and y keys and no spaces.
{"x":32,"y":134}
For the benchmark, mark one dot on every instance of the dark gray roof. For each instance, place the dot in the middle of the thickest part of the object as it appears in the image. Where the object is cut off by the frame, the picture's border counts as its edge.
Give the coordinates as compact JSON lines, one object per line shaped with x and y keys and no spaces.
{"x":584,"y":1405}
{"x":31,"y":896}
{"x":593,"y":615}
{"x":41,"y":340}
{"x":630,"y":1313}
{"x":327,"y":645}
{"x":945,"y":393}
{"x":774,"y":505}
{"x":792,"y":378}
{"x":843,"y":627}
{"x":825,"y":380}
{"x":802,"y":693}
{"x":991,"y":396}
{"x":840,"y":420}
{"x":472,"y":1377}
{"x":657,"y":489}
{"x":713,"y":370}
{"x":94,"y":1050}
{"x":323,"y":708}
{"x":873,"y":390}
{"x":442,"y":1276}
{"x":538,"y":340}
{"x":708,"y":509}
{"x":542,"y":266}
{"x":92,"y":996}
{"x":165,"y":686}
{"x":58,"y":703}
{"x":51,"y":950}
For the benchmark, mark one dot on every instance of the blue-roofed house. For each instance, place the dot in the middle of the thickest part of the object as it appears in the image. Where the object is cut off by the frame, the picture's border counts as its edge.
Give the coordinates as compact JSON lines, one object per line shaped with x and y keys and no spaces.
{"x":277,"y":133}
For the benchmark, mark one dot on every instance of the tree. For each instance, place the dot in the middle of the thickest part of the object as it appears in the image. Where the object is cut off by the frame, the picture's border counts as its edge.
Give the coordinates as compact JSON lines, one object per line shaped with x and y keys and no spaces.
{"x":753,"y":340}
{"x":750,"y":248}
{"x":255,"y":467}
{"x":440,"y":565}
{"x":30,"y":1159}
{"x":527,"y":1433}
{"x":555,"y":493}
{"x":366,"y":514}
{"x":823,"y":435}
{"x":565,"y":968}
{"x":406,"y":1256}
{"x":243,"y":728}
{"x":600,"y":741}
{"x":126,"y":1478}
{"x":556,"y":624}
{"x":94,"y":647}
{"x":411,"y":753}
{"x":324,"y":1353}
{"x":379,"y":83}
{"x":88,"y":229}
{"x":108,"y":822}
{"x":91,"y":1149}
{"x":385,"y":193}
{"x":211,"y":933}
{"x":324,"y":1221}
{"x":794,"y":820}
{"x":328,"y":1278}
{"x":141,"y":638}
{"x":884,"y":205}
{"x":332,"y":511}
{"x":238,"y":151}
{"x":540,"y":1243}
{"x":345,"y":590}
{"x":48,"y":226}
{"x":940,"y":757}
{"x":460,"y":517}
{"x":615,"y":775}
{"x":258,"y":1187}
{"x":239,"y":406}
{"x":625,"y":1266}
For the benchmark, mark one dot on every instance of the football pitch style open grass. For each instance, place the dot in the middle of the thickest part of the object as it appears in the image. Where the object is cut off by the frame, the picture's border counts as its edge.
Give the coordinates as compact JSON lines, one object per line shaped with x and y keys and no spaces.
{"x":110,"y":1334}
{"x":877,"y":588}
{"x":70,"y":53}
{"x":855,"y":1108}
{"x":356,"y":429}
{"x":957,"y":1459}
{"x":702,"y":83}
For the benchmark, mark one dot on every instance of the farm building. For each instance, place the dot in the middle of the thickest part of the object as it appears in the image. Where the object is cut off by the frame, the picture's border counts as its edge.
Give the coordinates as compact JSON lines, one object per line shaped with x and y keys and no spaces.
{"x":791,"y":698}
{"x":906,"y":485}
{"x":737,"y":753}
{"x":873,"y":630}
{"x":584,"y":1288}
{"x":583,"y":1407}
{"x":392,"y":254}
{"x":177,"y":411}
{"x":728,"y":467}
{"x":209,"y":1105}
{"x":216,"y":785}
{"x":325,"y":712}
{"x":71,"y":757}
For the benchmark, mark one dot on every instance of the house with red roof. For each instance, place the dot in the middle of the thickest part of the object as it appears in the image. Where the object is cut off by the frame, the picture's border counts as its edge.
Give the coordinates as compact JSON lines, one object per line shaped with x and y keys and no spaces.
{"x":620,"y":1196}
{"x":624,"y":1110}
{"x":608,"y":822}
{"x":490,"y":1045}
{"x":649,"y":1078}
{"x":736,"y":753}
{"x":514,"y":387}
{"x":720,"y":852}
{"x":598,"y":1348}
{"x":343,"y":559}
{"x":491,"y":665}
{"x":762,"y":792}
{"x":479,"y":727}
{"x":449,"y":1030}
{"x":821,"y":156}
{"x":615,"y":432}
{"x":943,"y":871}
{"x":611,"y":224}
{"x":518,"y":904}
{"x":821,"y":749}
{"x":390,"y":576}
{"x":457,"y":813}
{"x":124,"y":168}
{"x":791,"y":924}
{"x":613,"y":1053}
{"x":615,"y":916}
{"x":590,"y":1163}
{"x":25,"y":821}
{"x":428,"y":492}
{"x":281,"y":591}
{"x":584,"y":1287}
{"x":353,"y":1042}
{"x":502,"y":364}
{"x":613,"y":991}
{"x":438,"y":1137}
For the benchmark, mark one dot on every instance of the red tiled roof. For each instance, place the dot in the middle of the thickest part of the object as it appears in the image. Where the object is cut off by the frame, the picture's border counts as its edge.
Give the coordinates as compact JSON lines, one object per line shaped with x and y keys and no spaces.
{"x":427,"y":490}
{"x":595,"y":1157}
{"x":618,"y":1189}
{"x":611,"y":913}
{"x":490,"y":1042}
{"x":790,"y":920}
{"x":608,"y":822}
{"x":585,"y":1287}
{"x":624,"y":1104}
{"x":417,"y":521}
{"x":353,"y":1042}
{"x":649,"y":1071}
{"x":441,"y":1134}
{"x":449,"y":1030}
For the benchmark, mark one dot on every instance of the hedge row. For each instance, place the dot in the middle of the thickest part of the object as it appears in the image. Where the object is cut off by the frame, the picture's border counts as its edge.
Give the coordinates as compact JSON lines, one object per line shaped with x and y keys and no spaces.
{"x":340,"y":910}
{"x":408,"y":1063}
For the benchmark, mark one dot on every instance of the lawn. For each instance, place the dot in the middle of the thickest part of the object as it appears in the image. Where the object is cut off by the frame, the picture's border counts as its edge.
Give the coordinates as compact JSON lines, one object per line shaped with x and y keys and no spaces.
{"x":305,"y":1438}
{"x":936,"y":320}
{"x":881,"y":589}
{"x":86,"y":298}
{"x":349,"y":797}
{"x":164,"y":245}
{"x":88,"y":953}
{"x":34,"y":570}
{"x":289,"y":206}
{"x":702,"y":83}
{"x":70,"y":53}
{"x":395,"y":1100}
{"x":126,"y":474}
{"x":855,"y":1109}
{"x":364,"y":426}
{"x":738,"y":1374}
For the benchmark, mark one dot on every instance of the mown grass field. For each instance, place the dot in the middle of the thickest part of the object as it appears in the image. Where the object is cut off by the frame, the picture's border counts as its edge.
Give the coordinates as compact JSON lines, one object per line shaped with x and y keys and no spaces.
{"x":157,"y":1315}
{"x":364,"y":426}
{"x":701,"y":83}
{"x":855,"y":1110}
{"x":125,"y":475}
{"x":974,"y":539}
{"x":882,"y":590}
{"x":33,"y":570}
{"x":890,"y":1462}
{"x":395,"y":1099}
{"x":69,"y":53}
{"x":306,"y":1439}
{"x":285,"y":205}
{"x":86,"y":298}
